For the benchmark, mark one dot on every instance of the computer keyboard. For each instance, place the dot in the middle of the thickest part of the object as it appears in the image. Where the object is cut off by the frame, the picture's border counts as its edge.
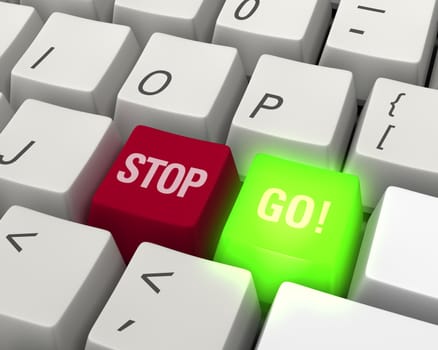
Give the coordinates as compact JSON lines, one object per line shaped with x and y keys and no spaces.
{"x":218,"y":174}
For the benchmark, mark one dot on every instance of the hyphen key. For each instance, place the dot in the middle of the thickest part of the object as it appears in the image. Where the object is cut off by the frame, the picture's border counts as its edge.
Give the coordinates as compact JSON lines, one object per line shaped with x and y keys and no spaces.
{"x":167,"y":189}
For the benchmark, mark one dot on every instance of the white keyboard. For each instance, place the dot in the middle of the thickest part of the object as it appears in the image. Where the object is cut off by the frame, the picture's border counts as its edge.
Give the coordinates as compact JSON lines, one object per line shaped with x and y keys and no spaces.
{"x":218,"y":174}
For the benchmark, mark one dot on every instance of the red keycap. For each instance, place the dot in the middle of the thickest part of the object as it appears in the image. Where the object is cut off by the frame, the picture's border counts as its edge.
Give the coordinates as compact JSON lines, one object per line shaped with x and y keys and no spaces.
{"x":167,"y":189}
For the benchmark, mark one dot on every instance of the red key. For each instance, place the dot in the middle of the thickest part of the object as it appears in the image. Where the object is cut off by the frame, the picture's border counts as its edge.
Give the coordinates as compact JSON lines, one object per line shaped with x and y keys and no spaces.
{"x":167,"y":189}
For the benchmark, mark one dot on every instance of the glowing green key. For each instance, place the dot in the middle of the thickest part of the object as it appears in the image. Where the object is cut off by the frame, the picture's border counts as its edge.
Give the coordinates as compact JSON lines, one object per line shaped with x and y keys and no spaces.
{"x":293,"y":222}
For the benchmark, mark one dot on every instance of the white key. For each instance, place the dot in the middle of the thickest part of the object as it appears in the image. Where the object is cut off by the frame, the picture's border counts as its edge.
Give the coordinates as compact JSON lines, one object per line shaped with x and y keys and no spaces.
{"x":170,"y":300}
{"x":52,"y":159}
{"x":76,"y":63}
{"x":382,"y":38}
{"x":101,"y":10}
{"x":182,"y":86}
{"x":5,"y":112}
{"x":304,"y":318}
{"x":191,"y":19}
{"x":18,"y":27}
{"x":293,"y":29}
{"x":395,"y":142}
{"x":398,"y":264}
{"x":56,"y":277}
{"x":296,"y":111}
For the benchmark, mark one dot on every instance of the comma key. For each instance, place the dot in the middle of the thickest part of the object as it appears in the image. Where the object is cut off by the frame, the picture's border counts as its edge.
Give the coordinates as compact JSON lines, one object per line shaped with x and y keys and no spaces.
{"x":168,"y":189}
{"x":170,"y":300}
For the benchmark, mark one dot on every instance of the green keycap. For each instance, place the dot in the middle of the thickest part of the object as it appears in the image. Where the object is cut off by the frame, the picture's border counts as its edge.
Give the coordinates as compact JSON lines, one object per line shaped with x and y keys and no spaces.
{"x":294,"y":222}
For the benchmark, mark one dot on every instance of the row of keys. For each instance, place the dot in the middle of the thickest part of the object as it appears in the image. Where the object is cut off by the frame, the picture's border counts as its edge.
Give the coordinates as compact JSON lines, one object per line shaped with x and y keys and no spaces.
{"x":131,"y":192}
{"x":57,"y":276}
{"x":265,"y":122}
{"x":354,"y":43}
{"x":164,"y":292}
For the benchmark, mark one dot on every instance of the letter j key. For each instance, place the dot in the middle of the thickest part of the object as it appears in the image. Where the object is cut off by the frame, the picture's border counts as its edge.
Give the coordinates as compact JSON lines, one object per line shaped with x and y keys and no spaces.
{"x":293,"y":222}
{"x":167,"y":189}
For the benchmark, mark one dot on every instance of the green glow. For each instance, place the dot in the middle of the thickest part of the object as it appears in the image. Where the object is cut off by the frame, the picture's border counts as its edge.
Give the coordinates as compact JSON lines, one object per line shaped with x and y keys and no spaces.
{"x":277,"y":230}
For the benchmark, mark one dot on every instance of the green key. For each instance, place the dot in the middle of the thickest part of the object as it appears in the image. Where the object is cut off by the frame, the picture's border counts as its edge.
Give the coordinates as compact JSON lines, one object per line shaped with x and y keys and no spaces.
{"x":294,"y":222}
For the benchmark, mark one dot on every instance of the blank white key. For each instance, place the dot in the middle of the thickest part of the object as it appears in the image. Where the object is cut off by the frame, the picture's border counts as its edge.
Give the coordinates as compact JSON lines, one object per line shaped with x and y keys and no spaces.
{"x":18,"y":27}
{"x":382,"y":38}
{"x":292,"y":29}
{"x":398,"y":263}
{"x":101,"y":10}
{"x":76,"y":63}
{"x":52,"y":159}
{"x":5,"y":112}
{"x":294,"y":110}
{"x":395,"y":142}
{"x":56,"y":277}
{"x":191,"y":19}
{"x":304,"y":318}
{"x":170,"y":300}
{"x":182,"y":86}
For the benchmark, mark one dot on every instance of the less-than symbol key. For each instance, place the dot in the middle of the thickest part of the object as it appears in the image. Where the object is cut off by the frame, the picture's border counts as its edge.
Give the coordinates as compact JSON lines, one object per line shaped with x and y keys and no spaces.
{"x":146,"y":278}
{"x":11,"y":239}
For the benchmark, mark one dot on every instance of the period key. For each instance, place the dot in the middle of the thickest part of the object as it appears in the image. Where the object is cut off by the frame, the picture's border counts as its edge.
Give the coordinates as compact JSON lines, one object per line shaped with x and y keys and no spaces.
{"x":166,"y":189}
{"x":294,"y":222}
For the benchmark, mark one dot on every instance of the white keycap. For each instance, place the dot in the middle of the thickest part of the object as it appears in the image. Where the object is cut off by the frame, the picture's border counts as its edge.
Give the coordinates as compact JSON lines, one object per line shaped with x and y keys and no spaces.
{"x":170,"y":300}
{"x":52,"y":159}
{"x":18,"y":27}
{"x":5,"y":112}
{"x":292,"y":29}
{"x":101,"y":10}
{"x":398,"y":264}
{"x":294,"y":110}
{"x":76,"y":63}
{"x":191,"y":19}
{"x":56,"y":277}
{"x":395,"y":142}
{"x":182,"y":86}
{"x":304,"y":318}
{"x":385,"y":38}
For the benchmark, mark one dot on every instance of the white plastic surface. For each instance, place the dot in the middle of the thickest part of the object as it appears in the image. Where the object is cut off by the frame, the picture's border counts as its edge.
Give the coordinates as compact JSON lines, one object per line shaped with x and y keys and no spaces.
{"x":18,"y":27}
{"x":293,"y":29}
{"x":192,"y":303}
{"x":56,"y":278}
{"x":52,"y":159}
{"x":397,"y":264}
{"x":191,"y":19}
{"x":395,"y":142}
{"x":101,"y":10}
{"x":308,"y":115}
{"x":182,"y":86}
{"x":76,"y":63}
{"x":385,"y":38}
{"x":304,"y":318}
